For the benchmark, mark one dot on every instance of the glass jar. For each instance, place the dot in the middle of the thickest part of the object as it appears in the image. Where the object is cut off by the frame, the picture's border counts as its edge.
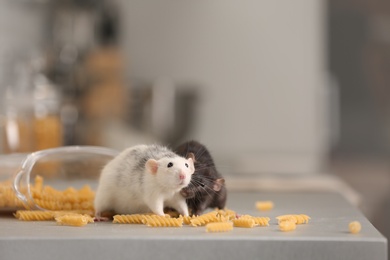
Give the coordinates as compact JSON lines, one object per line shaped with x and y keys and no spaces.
{"x":30,"y":112}
{"x":60,"y":169}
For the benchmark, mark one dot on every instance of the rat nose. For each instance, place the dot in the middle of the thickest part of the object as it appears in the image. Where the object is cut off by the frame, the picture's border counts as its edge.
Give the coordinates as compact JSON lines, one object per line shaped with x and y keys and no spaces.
{"x":182,"y":176}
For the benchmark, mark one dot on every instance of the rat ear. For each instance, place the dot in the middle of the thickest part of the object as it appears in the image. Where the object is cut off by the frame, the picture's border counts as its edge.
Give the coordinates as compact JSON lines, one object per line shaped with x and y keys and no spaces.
{"x":191,"y":156}
{"x":218,"y":183}
{"x":152,"y":166}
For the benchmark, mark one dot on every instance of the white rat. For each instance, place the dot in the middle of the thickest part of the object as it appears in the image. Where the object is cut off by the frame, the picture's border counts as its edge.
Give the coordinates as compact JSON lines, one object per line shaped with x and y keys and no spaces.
{"x":144,"y":178}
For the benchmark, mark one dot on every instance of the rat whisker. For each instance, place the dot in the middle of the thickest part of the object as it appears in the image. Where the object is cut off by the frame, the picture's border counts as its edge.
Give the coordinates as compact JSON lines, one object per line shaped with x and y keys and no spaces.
{"x":204,"y":180}
{"x":201,"y":177}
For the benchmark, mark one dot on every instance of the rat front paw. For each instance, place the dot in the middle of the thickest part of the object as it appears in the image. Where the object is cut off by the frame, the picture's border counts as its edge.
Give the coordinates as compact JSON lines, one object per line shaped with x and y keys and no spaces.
{"x":100,"y":219}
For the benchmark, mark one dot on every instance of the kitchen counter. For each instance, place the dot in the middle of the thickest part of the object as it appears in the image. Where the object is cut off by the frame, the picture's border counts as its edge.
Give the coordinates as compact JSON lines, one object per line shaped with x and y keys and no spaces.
{"x":326,"y":236}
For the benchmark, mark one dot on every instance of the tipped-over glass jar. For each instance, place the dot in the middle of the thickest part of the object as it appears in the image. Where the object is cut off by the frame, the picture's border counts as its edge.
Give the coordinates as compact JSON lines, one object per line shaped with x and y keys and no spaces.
{"x":62,"y":178}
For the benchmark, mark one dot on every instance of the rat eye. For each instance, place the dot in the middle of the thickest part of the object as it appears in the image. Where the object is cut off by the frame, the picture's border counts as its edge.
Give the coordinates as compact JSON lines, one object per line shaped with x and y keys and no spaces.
{"x":170,"y":165}
{"x":186,"y":165}
{"x":202,"y":184}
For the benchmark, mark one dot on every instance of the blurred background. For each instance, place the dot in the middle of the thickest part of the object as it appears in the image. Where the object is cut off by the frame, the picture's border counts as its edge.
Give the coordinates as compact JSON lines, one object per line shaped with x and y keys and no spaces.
{"x":280,"y":90}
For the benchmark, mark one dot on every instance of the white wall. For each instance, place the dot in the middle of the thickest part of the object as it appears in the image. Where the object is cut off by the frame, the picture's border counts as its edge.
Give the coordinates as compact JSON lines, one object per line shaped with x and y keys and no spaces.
{"x":261,"y":68}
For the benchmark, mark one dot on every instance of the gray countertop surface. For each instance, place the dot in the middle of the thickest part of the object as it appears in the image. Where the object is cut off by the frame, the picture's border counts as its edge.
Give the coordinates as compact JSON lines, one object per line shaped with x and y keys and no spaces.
{"x":326,"y":236}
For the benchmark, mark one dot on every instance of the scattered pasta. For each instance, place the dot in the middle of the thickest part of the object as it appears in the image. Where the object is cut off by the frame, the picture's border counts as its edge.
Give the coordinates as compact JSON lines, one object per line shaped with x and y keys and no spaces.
{"x":162,"y":221}
{"x":34,"y":215}
{"x":287,"y":225}
{"x":128,"y":219}
{"x":297,"y":219}
{"x":172,"y":213}
{"x":187,"y":219}
{"x":68,"y":212}
{"x":260,"y":221}
{"x":355,"y":227}
{"x":264,"y":205}
{"x":206,"y":218}
{"x":75,"y":207}
{"x":219,"y":227}
{"x":77,"y":220}
{"x":227,"y":213}
{"x":244,"y":222}
{"x":40,"y":215}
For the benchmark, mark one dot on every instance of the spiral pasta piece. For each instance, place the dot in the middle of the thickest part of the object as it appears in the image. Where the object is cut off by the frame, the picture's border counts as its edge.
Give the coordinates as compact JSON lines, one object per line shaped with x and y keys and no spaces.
{"x":50,"y":204}
{"x":264,"y":205}
{"x":205,"y":219}
{"x":40,"y":215}
{"x":85,"y":213}
{"x":354,"y":227}
{"x":86,"y":193}
{"x":49,"y":198}
{"x":53,"y":203}
{"x":161,"y":221}
{"x":38,"y":184}
{"x":219,"y":227}
{"x":187,"y":219}
{"x":74,"y":220}
{"x":8,"y":197}
{"x":244,"y":222}
{"x":227,"y":213}
{"x":129,"y":219}
{"x":172,"y":213}
{"x":287,"y":225}
{"x":34,"y":215}
{"x":260,"y":221}
{"x":297,"y":219}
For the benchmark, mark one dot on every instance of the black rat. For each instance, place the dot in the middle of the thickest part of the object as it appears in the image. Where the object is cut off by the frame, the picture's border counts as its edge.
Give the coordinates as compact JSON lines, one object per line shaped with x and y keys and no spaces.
{"x":207,"y":187}
{"x":144,"y":178}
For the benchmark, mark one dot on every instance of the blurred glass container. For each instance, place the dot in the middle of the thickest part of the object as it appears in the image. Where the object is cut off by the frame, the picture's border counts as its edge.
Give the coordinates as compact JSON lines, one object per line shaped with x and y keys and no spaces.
{"x":17,"y":113}
{"x":9,"y":165}
{"x":30,"y":112}
{"x":48,"y":132}
{"x":62,"y":168}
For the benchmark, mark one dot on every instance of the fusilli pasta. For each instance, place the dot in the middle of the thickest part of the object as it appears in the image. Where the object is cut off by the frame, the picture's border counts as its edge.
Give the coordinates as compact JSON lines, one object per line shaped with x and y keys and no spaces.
{"x":129,"y":219}
{"x":205,"y":219}
{"x":219,"y":227}
{"x":34,"y":215}
{"x":287,"y":225}
{"x":160,"y":221}
{"x":187,"y":219}
{"x":260,"y":221}
{"x":244,"y":222}
{"x":74,"y":220}
{"x":354,"y":227}
{"x":297,"y":219}
{"x":228,"y":213}
{"x":264,"y":205}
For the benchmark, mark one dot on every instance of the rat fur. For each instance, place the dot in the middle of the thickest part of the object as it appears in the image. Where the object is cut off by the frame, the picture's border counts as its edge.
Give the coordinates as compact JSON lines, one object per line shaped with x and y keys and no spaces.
{"x":144,"y":178}
{"x":207,"y":187}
